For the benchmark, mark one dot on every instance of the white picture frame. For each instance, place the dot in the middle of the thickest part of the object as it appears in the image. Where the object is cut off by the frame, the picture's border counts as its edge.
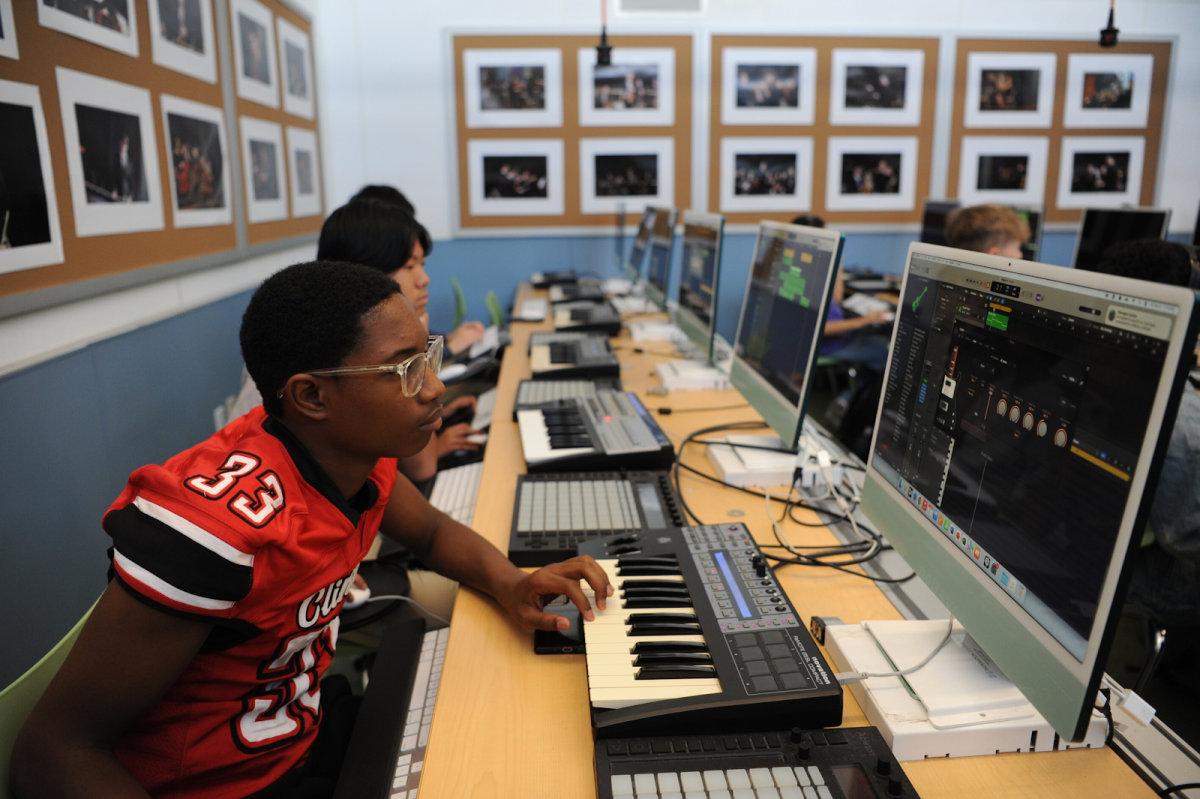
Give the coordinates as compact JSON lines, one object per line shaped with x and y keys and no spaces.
{"x":1035,"y":150}
{"x":660,"y":59}
{"x":123,"y":41}
{"x":33,"y":253}
{"x":254,"y":52}
{"x":8,"y":32}
{"x":845,"y":63}
{"x":734,"y":59}
{"x":263,"y":169}
{"x":1136,"y":114}
{"x":196,"y":213}
{"x":1069,"y":196}
{"x":475,"y":97}
{"x":663,"y":150}
{"x":103,"y":97}
{"x":168,"y":51}
{"x":295,"y":69}
{"x":1040,"y":116}
{"x":843,"y":151}
{"x":550,"y":199}
{"x":799,"y":149}
{"x":304,"y":178}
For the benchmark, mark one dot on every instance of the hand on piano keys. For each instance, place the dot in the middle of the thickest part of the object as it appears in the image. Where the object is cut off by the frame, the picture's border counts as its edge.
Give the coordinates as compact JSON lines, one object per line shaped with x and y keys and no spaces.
{"x":646,"y":646}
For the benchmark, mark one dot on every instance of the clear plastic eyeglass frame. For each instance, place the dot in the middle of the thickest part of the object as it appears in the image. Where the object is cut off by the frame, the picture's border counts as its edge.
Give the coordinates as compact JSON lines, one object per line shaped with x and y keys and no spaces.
{"x":413,"y":379}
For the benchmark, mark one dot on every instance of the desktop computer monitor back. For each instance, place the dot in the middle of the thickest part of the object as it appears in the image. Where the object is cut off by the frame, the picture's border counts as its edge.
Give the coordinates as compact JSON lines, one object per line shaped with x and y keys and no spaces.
{"x":662,"y":242}
{"x":700,"y":265}
{"x":1103,"y":227}
{"x":783,"y":317}
{"x":1025,"y":415}
{"x":933,"y":220}
{"x":633,"y":268}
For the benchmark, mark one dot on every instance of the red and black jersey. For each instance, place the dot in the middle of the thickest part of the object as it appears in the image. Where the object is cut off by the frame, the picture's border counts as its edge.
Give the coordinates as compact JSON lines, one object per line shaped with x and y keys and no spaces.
{"x":248,"y":532}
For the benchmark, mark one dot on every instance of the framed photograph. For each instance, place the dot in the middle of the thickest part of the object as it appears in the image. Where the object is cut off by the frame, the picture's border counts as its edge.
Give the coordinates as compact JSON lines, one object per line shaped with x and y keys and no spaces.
{"x":8,"y":31}
{"x":194,"y":136}
{"x":766,"y":174}
{"x":112,"y":159}
{"x":1100,"y":171}
{"x":1004,"y":170}
{"x":29,"y":231}
{"x":182,"y":37}
{"x":295,"y":69}
{"x":1108,"y":91}
{"x":871,"y":173}
{"x":877,"y":87}
{"x":768,"y":85}
{"x":1010,"y":90}
{"x":108,"y":23}
{"x":515,"y":177}
{"x":629,"y":173}
{"x":637,"y":90}
{"x":254,"y":52}
{"x":513,"y":88}
{"x":305,"y":171}
{"x":262,"y":164}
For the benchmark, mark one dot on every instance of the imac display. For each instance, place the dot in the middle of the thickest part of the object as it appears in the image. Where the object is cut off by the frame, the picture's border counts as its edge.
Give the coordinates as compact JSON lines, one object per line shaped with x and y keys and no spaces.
{"x":783,"y":318}
{"x":933,"y":220}
{"x":1025,"y":415}
{"x":1034,"y":216}
{"x":1103,"y":227}
{"x":662,"y":243}
{"x":633,"y":267}
{"x":700,"y":266}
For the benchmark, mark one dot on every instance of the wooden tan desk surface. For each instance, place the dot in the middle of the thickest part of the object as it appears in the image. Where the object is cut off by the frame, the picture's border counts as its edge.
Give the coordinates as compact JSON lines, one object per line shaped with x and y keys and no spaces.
{"x":510,"y":723}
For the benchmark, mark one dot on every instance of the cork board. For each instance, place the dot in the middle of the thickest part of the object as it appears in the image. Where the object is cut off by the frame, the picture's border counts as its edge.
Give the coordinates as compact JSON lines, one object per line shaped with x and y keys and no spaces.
{"x":676,"y":136}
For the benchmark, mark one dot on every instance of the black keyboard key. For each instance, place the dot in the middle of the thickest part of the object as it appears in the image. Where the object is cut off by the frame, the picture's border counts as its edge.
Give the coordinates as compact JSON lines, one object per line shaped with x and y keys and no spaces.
{"x":647,"y":647}
{"x":673,"y":585}
{"x":694,"y":745}
{"x":645,"y":630}
{"x":662,"y":618}
{"x":709,"y":744}
{"x":632,"y":593}
{"x":640,"y":571}
{"x":675,"y":672}
{"x":661,"y":746}
{"x":658,"y":602}
{"x":744,"y":742}
{"x":731,"y":744}
{"x":647,"y":560}
{"x":760,"y":741}
{"x":674,"y":658}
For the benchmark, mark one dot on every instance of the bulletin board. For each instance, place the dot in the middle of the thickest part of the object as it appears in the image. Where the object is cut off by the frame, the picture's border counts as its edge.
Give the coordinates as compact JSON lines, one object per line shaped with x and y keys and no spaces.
{"x":44,"y":51}
{"x":566,"y":135}
{"x":818,"y":129}
{"x":1061,"y":130}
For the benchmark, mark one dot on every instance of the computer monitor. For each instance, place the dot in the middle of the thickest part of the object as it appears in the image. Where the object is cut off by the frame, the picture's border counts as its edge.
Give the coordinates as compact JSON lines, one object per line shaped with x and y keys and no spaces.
{"x":933,"y":220}
{"x":1103,"y":227}
{"x":783,"y":318}
{"x":1196,"y":231}
{"x":1034,"y":216}
{"x":700,"y":267}
{"x":633,"y":267}
{"x":1025,"y":416}
{"x":662,"y":243}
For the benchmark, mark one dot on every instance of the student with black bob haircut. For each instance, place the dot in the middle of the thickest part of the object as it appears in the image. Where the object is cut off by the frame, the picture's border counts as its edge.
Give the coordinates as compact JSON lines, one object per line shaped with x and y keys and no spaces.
{"x":386,"y":194}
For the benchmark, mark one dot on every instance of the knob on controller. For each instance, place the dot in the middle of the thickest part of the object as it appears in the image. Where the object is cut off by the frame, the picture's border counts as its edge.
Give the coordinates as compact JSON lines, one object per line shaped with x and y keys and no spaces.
{"x":760,"y":565}
{"x":883,"y":766}
{"x":895,"y":787}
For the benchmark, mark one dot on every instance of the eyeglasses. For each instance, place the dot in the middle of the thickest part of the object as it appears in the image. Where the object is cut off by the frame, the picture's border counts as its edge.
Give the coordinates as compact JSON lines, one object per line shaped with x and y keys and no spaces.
{"x":411,"y":370}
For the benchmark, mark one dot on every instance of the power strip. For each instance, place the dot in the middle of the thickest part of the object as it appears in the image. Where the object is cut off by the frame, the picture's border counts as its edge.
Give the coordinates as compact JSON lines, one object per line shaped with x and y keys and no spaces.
{"x":744,"y":467}
{"x":691,"y":376}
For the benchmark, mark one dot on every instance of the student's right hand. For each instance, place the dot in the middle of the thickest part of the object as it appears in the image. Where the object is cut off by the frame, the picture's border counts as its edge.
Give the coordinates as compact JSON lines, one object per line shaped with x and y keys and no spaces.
{"x":455,"y":438}
{"x":464,"y":336}
{"x":527,"y":597}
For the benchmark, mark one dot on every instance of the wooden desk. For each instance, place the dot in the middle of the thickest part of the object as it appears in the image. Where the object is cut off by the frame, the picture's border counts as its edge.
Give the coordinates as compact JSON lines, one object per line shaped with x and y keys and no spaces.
{"x":510,"y":723}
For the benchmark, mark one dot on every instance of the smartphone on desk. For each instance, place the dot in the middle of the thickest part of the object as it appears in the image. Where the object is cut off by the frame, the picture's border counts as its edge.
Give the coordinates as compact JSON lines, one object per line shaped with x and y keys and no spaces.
{"x":561,"y":642}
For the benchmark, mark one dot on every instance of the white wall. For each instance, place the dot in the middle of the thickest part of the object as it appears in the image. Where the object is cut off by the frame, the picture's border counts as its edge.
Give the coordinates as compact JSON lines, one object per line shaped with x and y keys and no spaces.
{"x":386,"y":86}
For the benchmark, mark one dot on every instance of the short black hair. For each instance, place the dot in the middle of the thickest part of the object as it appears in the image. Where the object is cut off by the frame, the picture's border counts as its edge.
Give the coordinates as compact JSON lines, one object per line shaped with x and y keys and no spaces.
{"x":386,"y":194}
{"x":1148,"y":259}
{"x":307,"y":316}
{"x":809,"y":220}
{"x":373,"y":234}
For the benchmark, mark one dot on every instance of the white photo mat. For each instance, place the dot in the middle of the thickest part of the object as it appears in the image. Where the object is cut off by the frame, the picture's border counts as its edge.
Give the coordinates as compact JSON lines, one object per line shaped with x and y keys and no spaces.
{"x":663,"y":148}
{"x":268,"y":209}
{"x":801,"y":147}
{"x":662,"y":116}
{"x":197,"y":217}
{"x":550,"y":116}
{"x":299,"y":104}
{"x":1079,"y":65}
{"x":8,"y":41}
{"x":172,"y":55}
{"x":803,"y":58}
{"x":1046,"y":64}
{"x":903,"y":200}
{"x":914,"y":87}
{"x":103,"y":219}
{"x":50,"y":252}
{"x":265,"y":93}
{"x":1135,"y":146}
{"x":65,"y":22}
{"x":302,"y":140}
{"x":1036,"y":149}
{"x":553,"y":204}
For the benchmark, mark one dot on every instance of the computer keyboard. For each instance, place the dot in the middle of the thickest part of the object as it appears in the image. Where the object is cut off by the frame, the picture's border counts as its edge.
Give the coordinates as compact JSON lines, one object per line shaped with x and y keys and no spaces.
{"x":484,"y":404}
{"x":534,"y":310}
{"x":863,"y":304}
{"x":420,"y":715}
{"x":489,"y":342}
{"x":455,"y":490}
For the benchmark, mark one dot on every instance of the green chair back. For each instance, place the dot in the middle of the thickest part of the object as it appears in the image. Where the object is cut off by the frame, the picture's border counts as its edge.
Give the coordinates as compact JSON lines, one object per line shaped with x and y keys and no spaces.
{"x":495,"y":310}
{"x":460,"y":303}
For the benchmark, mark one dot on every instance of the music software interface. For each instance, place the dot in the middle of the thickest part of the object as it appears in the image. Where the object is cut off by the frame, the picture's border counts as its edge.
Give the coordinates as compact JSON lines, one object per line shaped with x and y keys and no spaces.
{"x":697,"y":281}
{"x":660,"y":250}
{"x":1013,"y":416}
{"x":789,"y":280}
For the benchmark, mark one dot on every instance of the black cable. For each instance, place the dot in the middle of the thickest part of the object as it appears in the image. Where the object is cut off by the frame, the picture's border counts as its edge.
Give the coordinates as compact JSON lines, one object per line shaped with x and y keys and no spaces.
{"x":797,"y":562}
{"x":1106,"y":711}
{"x":679,"y":454}
{"x":742,"y":446}
{"x":1185,"y":786}
{"x":667,"y":411}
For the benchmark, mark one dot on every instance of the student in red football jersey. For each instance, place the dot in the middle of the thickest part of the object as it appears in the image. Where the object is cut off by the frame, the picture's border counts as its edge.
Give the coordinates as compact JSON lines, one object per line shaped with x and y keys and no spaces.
{"x":196,"y":675}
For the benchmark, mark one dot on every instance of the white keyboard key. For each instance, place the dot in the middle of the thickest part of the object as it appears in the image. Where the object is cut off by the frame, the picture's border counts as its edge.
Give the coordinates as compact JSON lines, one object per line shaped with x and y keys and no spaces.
{"x":692,"y":781}
{"x":668,"y":783}
{"x":416,"y":768}
{"x":802,"y":776}
{"x":715,"y":780}
{"x":402,"y":771}
{"x":674,"y":795}
{"x":622,"y":785}
{"x":817,"y":777}
{"x":823,"y":793}
{"x":647,"y":796}
{"x":767,"y":793}
{"x":738,"y":778}
{"x":743,"y":793}
{"x":695,"y":795}
{"x":400,"y":795}
{"x":409,"y":742}
{"x":791,"y":792}
{"x":761,"y":778}
{"x":399,"y":782}
{"x":412,"y":728}
{"x":719,"y":795}
{"x":644,"y":783}
{"x":404,"y":760}
{"x":810,"y":793}
{"x":784,"y":777}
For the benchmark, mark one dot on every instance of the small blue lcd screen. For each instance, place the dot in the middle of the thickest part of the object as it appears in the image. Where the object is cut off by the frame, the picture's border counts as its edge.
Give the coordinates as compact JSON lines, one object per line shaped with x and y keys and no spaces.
{"x":732,"y":585}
